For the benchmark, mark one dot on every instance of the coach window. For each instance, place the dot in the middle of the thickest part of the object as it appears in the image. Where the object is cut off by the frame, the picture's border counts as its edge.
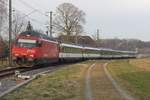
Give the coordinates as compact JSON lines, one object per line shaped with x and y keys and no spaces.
{"x":70,"y":49}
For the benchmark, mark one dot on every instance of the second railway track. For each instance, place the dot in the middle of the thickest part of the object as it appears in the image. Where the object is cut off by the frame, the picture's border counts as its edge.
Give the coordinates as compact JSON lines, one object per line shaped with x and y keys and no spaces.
{"x":11,"y":71}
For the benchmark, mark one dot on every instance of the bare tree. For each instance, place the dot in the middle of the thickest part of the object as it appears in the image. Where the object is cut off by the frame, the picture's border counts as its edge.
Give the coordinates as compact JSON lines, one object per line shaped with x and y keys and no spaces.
{"x":18,"y":21}
{"x":78,"y":30}
{"x":68,"y":20}
{"x":3,"y":26}
{"x":3,"y":14}
{"x":19,"y":24}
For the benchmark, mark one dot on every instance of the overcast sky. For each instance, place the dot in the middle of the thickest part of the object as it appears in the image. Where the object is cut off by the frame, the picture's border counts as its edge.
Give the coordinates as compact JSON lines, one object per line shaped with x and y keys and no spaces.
{"x":114,"y":18}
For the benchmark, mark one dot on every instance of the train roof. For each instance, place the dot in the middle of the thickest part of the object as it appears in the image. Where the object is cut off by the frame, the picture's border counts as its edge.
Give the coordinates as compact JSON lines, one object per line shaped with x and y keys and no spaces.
{"x":44,"y":36}
{"x":32,"y":33}
{"x":70,"y":45}
{"x":38,"y":35}
{"x":35,"y":34}
{"x":92,"y":48}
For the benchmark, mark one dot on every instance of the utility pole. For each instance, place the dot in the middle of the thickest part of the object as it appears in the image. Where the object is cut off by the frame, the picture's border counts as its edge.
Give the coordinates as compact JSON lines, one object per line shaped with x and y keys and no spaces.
{"x":10,"y":33}
{"x":97,"y":34}
{"x":51,"y":24}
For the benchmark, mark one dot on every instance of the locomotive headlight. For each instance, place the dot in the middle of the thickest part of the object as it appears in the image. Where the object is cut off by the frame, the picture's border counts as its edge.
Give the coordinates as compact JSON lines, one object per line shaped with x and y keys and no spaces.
{"x":30,"y":51}
{"x":16,"y":54}
{"x":32,"y":56}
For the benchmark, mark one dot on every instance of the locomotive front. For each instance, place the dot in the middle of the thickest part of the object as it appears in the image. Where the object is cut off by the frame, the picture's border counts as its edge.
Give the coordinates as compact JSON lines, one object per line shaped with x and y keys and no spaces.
{"x":25,"y":51}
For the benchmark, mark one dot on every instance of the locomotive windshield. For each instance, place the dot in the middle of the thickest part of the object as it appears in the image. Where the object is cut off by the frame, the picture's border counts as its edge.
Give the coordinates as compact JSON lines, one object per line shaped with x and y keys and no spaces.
{"x":26,"y":43}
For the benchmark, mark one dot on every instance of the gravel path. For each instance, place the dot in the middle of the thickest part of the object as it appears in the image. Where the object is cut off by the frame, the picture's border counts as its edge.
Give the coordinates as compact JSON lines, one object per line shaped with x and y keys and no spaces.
{"x":88,"y":92}
{"x":117,"y":87}
{"x":99,"y":85}
{"x":6,"y":84}
{"x":102,"y":88}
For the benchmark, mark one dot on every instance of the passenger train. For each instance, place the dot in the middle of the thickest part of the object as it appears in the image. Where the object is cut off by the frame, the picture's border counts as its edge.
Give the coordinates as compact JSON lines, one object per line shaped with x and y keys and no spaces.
{"x":32,"y":48}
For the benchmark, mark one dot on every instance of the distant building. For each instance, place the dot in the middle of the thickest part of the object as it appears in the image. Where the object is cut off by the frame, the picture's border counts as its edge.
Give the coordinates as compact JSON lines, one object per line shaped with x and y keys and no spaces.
{"x":80,"y":40}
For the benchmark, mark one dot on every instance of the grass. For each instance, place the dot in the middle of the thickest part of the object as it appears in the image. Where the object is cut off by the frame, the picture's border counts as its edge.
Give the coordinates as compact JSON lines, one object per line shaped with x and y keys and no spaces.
{"x":3,"y":63}
{"x":68,"y":83}
{"x":64,"y":84}
{"x":143,"y":64}
{"x":131,"y":77}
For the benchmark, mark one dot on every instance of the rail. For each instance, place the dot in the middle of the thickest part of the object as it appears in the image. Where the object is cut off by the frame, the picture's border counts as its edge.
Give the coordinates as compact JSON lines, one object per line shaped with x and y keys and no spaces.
{"x":11,"y":71}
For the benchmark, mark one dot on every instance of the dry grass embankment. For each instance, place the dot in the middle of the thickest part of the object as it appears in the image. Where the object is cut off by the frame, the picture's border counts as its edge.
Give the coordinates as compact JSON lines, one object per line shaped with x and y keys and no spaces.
{"x":132,"y":76}
{"x":143,"y":64}
{"x":63,"y":84}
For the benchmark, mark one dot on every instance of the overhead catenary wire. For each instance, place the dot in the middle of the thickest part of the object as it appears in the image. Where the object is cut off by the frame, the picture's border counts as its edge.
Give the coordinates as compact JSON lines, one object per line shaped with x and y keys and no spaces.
{"x":35,"y":9}
{"x":32,"y":19}
{"x":23,"y":2}
{"x":2,"y":2}
{"x":28,"y":14}
{"x":3,"y":7}
{"x":28,"y":5}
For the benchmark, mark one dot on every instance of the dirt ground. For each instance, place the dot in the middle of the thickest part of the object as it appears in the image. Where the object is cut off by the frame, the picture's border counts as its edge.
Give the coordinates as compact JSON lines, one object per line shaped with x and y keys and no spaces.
{"x":102,"y":88}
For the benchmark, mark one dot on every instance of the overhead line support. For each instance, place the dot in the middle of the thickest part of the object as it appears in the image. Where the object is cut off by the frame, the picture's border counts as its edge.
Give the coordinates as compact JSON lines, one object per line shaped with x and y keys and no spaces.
{"x":10,"y":33}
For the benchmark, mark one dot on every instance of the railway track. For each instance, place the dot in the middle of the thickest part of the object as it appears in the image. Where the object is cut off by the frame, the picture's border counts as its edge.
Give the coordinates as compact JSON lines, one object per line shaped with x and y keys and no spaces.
{"x":9,"y":83}
{"x":11,"y":71}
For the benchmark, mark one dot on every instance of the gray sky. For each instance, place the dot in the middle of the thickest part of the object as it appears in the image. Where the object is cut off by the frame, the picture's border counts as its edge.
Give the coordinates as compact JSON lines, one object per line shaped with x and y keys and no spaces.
{"x":115,"y":18}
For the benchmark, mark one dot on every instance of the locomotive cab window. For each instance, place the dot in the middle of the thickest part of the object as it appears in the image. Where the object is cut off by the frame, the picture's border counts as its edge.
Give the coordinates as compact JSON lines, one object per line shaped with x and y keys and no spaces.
{"x":26,"y":43}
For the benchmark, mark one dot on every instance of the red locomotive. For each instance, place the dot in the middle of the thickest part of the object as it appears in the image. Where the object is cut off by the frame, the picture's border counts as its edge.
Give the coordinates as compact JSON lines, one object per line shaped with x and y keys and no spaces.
{"x":34,"y":48}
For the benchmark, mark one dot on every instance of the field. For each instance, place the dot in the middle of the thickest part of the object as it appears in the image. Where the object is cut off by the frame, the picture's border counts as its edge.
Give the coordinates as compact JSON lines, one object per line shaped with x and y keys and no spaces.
{"x":68,"y":83}
{"x":133,"y":75}
{"x":3,"y":63}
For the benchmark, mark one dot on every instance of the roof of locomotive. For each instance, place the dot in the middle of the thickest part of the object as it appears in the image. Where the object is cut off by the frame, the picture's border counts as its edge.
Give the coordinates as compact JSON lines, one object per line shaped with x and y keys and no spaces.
{"x":36,"y":34}
{"x":32,"y":33}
